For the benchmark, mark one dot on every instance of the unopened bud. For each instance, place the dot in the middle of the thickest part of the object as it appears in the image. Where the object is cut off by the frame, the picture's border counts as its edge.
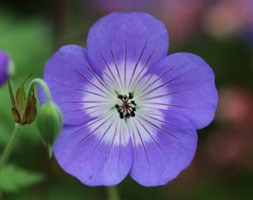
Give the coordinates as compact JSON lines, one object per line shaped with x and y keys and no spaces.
{"x":24,"y":109}
{"x":5,"y":64}
{"x":49,"y":122}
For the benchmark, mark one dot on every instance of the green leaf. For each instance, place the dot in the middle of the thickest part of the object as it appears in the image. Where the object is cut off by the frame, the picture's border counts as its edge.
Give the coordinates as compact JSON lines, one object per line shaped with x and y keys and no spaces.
{"x":13,"y":178}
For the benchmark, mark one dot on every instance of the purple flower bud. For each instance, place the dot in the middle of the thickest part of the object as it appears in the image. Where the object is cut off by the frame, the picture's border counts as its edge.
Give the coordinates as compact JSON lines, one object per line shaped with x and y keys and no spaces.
{"x":4,"y":67}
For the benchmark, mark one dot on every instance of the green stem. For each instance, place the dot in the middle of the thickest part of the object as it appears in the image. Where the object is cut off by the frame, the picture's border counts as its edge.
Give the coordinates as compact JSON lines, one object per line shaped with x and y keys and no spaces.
{"x":112,"y":193}
{"x":43,"y":85}
{"x":11,"y":92}
{"x":10,"y":145}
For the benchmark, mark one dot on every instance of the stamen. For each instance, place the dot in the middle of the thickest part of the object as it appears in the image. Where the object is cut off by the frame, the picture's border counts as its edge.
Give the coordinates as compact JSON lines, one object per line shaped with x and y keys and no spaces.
{"x":120,"y":96}
{"x":127,"y":108}
{"x":130,"y":95}
{"x":121,"y":115}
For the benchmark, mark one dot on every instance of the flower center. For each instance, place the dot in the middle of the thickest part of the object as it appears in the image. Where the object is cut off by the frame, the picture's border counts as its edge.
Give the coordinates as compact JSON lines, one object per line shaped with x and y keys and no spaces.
{"x":127,"y":107}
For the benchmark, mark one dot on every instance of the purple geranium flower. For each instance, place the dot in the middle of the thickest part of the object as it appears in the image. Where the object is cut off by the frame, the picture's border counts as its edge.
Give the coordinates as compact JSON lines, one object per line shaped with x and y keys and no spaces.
{"x":128,"y":108}
{"x":4,"y":67}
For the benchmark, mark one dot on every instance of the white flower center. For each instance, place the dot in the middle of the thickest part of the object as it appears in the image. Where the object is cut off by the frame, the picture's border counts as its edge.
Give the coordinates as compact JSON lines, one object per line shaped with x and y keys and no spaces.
{"x":126,"y":104}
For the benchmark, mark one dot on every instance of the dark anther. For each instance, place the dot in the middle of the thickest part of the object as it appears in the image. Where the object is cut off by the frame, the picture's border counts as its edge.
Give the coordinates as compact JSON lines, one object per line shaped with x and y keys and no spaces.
{"x":121,"y":115}
{"x":120,"y":96}
{"x":127,"y":107}
{"x":130,"y":95}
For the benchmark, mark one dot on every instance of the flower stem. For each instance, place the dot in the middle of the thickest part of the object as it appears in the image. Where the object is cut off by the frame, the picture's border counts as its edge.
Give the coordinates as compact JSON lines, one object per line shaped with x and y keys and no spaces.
{"x":43,"y":85}
{"x":113,"y":193}
{"x":11,"y":91}
{"x":10,"y":145}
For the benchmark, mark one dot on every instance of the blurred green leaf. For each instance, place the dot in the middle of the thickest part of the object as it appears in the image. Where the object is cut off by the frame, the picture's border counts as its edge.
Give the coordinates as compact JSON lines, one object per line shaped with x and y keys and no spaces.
{"x":16,"y":37}
{"x":13,"y":178}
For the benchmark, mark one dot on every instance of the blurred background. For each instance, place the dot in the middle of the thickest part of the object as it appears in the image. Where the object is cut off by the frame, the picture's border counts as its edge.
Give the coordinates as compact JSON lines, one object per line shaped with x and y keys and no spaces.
{"x":220,"y":31}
